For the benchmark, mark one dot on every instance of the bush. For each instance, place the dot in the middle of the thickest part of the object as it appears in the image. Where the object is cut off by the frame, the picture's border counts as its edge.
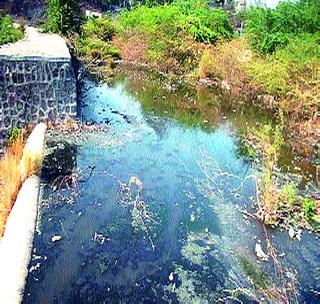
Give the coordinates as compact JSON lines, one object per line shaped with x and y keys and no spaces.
{"x":96,"y":49}
{"x":308,"y":208}
{"x":289,"y":194}
{"x":95,"y":40}
{"x":270,"y":76}
{"x":290,"y":68}
{"x":99,"y":28}
{"x":194,"y":17}
{"x":64,"y":16}
{"x":8,"y":33}
{"x":13,"y":134}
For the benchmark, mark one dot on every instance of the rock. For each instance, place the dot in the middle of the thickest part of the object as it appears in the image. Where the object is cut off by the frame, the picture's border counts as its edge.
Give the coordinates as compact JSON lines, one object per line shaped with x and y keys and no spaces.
{"x":56,"y":238}
{"x":260,"y":253}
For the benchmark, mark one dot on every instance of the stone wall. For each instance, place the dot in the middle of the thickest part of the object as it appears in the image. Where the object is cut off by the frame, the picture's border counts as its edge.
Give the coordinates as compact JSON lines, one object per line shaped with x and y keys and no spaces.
{"x":34,"y":90}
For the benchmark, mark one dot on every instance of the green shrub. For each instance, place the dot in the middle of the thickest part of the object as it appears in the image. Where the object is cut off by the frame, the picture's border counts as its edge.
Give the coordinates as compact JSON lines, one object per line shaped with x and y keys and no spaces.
{"x":290,"y":194}
{"x":269,"y":74}
{"x":95,"y":40}
{"x":281,"y":71}
{"x":274,"y":41}
{"x":301,"y":51}
{"x":99,"y":28}
{"x":8,"y":33}
{"x":64,"y":16}
{"x":96,"y":49}
{"x":13,"y":134}
{"x":172,"y":32}
{"x":308,"y":208}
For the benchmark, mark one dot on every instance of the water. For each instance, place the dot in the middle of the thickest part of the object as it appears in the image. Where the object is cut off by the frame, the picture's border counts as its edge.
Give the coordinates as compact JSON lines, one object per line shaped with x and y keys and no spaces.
{"x":179,"y":236}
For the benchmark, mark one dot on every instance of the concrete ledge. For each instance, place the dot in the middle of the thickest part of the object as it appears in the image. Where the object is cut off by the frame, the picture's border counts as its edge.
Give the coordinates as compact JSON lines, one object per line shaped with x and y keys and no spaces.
{"x":34,"y":58}
{"x":16,"y":244}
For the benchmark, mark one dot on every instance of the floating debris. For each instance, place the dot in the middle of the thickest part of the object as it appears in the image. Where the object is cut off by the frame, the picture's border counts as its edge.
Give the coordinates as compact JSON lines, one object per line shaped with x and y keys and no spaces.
{"x":171,"y":277}
{"x":260,"y":253}
{"x":56,"y":238}
{"x":99,"y":238}
{"x":291,"y":232}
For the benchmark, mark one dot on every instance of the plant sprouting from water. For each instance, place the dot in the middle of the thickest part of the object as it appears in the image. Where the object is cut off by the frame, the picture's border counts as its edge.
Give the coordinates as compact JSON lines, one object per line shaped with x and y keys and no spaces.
{"x":278,"y":197}
{"x":142,"y":218}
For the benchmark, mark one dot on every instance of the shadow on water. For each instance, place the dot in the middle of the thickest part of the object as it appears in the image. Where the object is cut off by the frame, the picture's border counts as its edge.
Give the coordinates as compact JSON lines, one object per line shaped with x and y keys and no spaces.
{"x":181,"y":238}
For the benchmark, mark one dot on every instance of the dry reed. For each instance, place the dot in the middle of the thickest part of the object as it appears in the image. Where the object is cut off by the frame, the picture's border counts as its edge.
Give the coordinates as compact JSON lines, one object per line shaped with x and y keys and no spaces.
{"x":10,"y":181}
{"x":20,"y":160}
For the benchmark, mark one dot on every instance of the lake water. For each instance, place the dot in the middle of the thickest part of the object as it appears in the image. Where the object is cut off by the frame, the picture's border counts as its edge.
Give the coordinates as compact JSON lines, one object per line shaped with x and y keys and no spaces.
{"x":149,"y":212}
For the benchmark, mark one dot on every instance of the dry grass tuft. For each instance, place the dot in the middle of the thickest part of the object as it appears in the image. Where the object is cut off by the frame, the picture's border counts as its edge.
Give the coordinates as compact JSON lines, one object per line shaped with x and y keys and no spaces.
{"x":33,"y":153}
{"x":10,"y":180}
{"x":20,"y":161}
{"x":133,"y":48}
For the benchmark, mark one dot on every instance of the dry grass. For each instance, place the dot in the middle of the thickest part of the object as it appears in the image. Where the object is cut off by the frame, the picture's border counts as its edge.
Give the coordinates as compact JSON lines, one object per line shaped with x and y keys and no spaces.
{"x":10,"y":180}
{"x":226,"y":62}
{"x":20,"y":160}
{"x":132,"y":48}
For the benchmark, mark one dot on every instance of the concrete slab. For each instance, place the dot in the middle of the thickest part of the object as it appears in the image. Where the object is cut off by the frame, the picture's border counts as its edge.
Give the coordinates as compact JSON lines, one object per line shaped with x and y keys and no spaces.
{"x":16,"y":244}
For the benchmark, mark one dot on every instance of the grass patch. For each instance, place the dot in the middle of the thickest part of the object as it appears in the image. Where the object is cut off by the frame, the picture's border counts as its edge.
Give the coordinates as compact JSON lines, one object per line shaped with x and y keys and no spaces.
{"x":279,"y":200}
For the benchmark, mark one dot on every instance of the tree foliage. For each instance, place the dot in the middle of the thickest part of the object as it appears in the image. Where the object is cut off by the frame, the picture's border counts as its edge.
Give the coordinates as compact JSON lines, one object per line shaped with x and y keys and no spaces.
{"x":272,"y":29}
{"x":64,"y":16}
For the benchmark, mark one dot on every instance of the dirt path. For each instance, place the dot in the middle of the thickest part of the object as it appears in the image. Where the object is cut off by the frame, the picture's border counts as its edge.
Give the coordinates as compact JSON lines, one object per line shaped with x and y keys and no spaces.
{"x":36,"y":44}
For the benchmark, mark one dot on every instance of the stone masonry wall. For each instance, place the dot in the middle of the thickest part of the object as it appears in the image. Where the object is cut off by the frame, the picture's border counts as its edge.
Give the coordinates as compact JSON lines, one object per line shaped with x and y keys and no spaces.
{"x":35,"y":89}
